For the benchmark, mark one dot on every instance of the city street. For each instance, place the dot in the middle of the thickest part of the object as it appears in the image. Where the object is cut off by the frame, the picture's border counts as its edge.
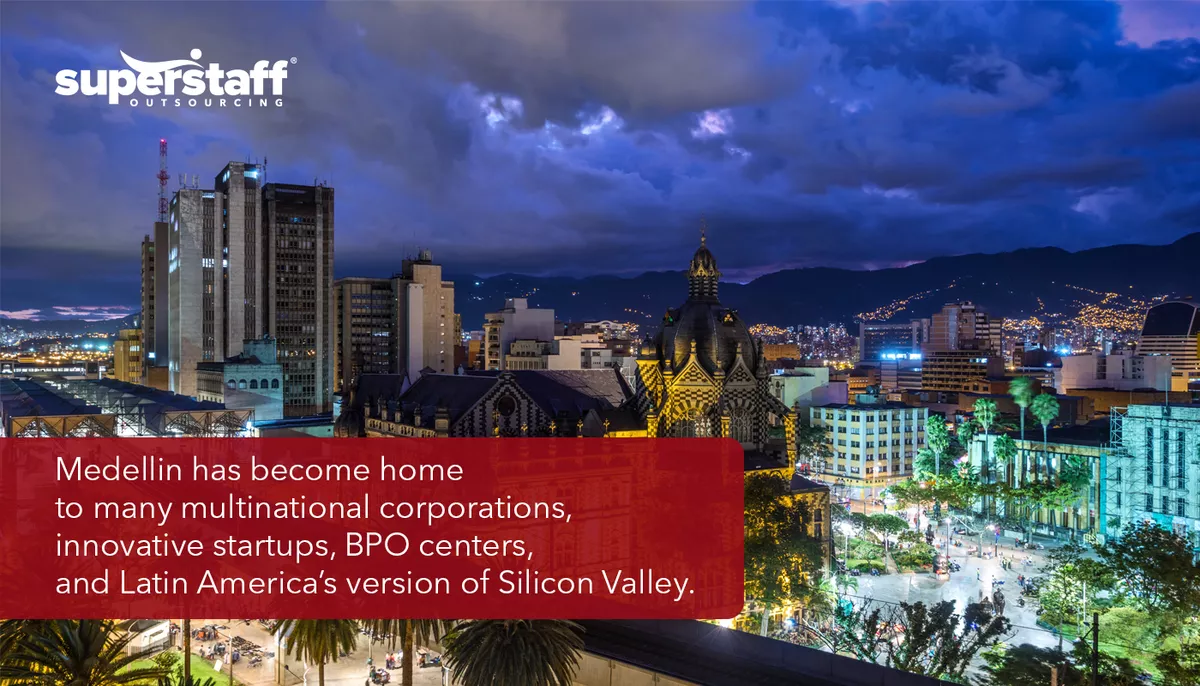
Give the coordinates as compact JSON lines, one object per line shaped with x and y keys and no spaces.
{"x":347,"y":671}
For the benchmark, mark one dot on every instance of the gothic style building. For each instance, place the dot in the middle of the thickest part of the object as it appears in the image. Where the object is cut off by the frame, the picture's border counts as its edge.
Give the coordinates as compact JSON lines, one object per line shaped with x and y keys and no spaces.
{"x":705,"y":375}
{"x":571,"y":403}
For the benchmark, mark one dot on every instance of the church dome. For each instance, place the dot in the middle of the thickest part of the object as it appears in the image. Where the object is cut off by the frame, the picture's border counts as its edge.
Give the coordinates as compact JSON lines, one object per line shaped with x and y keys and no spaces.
{"x":701,"y":325}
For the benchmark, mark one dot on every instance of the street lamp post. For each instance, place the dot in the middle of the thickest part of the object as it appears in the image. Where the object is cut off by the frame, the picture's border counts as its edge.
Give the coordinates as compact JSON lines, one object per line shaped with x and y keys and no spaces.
{"x":846,"y":528}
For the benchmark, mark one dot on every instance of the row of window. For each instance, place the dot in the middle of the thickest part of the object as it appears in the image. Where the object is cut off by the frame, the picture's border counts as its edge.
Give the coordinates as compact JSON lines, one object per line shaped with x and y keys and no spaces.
{"x":254,"y":384}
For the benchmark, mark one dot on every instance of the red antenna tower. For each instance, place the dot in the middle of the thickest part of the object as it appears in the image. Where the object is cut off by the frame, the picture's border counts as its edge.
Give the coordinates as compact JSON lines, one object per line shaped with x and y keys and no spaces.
{"x":163,"y":177}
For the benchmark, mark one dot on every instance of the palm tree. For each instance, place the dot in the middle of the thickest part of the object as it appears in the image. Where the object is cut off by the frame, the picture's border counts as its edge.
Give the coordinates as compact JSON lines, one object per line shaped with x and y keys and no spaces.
{"x":74,"y":652}
{"x":497,"y":652}
{"x":1021,"y":390}
{"x":1045,"y":409}
{"x":1004,"y":451}
{"x":410,"y":632}
{"x":317,"y":641}
{"x":985,"y":416}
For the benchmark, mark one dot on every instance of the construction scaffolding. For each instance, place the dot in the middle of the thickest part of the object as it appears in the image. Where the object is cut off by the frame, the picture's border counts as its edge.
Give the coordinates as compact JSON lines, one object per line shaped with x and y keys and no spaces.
{"x":1152,"y":469}
{"x":61,"y":407}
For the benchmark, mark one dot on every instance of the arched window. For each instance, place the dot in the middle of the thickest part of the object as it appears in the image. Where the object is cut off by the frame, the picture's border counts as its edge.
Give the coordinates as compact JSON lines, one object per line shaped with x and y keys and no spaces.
{"x":695,"y":426}
{"x":262,"y":384}
{"x":254,"y":384}
{"x":741,"y":428}
{"x":231,"y":384}
{"x":274,"y":383}
{"x":241,"y":383}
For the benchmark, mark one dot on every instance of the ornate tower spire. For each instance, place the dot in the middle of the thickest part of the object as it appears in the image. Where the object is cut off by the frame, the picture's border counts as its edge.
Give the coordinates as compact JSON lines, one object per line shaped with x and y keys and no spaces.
{"x":702,"y":273}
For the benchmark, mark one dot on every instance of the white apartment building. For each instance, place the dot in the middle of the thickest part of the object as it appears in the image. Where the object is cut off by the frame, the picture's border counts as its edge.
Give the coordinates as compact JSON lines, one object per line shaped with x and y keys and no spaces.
{"x":873,"y":443}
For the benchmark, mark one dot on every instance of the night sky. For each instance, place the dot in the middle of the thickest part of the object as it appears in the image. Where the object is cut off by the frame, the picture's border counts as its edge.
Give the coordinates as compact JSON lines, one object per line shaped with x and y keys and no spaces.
{"x":580,"y":138}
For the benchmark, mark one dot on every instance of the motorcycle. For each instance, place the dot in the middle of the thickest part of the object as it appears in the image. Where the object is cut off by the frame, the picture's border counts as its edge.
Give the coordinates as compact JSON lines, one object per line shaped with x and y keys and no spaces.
{"x":379,"y":677}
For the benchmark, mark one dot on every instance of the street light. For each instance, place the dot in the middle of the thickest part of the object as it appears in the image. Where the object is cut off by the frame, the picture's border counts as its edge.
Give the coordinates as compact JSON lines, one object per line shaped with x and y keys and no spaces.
{"x":846,"y":529}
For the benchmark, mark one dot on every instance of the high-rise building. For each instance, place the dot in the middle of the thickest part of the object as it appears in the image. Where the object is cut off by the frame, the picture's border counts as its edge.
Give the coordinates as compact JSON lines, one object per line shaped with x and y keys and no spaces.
{"x":214,"y":263}
{"x":517,"y":321}
{"x":399,"y":325}
{"x":1153,"y":469}
{"x":298,"y":226}
{"x":875,"y":340}
{"x":148,"y":299}
{"x":963,"y":326}
{"x":1173,"y":328}
{"x":960,"y":370}
{"x":364,"y":320}
{"x":154,"y":298}
{"x":1118,"y":371}
{"x":128,"y":360}
{"x":239,"y":261}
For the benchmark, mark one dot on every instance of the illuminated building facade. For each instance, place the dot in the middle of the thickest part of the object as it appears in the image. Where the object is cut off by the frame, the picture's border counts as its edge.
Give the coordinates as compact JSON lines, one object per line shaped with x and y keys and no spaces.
{"x":399,"y":325}
{"x":960,"y":370}
{"x":963,"y":326}
{"x":1173,"y":328}
{"x":128,"y":351}
{"x":875,"y":340}
{"x":873,"y":442}
{"x":517,"y":321}
{"x":704,"y":375}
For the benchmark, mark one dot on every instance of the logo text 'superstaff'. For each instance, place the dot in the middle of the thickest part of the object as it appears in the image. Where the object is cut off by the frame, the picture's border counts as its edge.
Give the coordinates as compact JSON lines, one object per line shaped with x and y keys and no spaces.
{"x":174,"y":77}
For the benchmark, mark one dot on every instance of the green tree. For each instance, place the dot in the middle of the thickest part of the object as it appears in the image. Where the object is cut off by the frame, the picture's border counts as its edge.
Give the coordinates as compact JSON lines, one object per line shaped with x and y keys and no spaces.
{"x":1072,"y":583}
{"x":985,"y":415}
{"x":1156,"y":566}
{"x":1029,"y":665}
{"x":1021,"y":390}
{"x":1180,"y":667}
{"x":318,"y":641}
{"x":937,"y":439}
{"x":1045,"y":409}
{"x":886,"y":525}
{"x":74,"y":653}
{"x":782,"y":563}
{"x":407,"y":633}
{"x":514,"y":651}
{"x":812,"y":445}
{"x":934,"y":641}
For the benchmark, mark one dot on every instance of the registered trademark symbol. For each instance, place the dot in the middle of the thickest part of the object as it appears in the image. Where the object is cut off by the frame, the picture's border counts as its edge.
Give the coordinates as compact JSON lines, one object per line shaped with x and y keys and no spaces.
{"x":293,"y":60}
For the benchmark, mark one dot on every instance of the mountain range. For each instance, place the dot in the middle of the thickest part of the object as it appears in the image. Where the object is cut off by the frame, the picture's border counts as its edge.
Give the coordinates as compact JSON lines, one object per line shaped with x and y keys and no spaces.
{"x":1017,"y":284}
{"x":1012,"y":284}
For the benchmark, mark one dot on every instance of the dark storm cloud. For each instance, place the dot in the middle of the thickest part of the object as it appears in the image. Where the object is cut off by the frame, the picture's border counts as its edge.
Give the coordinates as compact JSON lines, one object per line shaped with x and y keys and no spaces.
{"x":584,"y":137}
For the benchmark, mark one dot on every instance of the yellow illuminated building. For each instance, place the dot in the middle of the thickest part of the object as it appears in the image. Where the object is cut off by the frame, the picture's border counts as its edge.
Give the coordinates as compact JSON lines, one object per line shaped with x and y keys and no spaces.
{"x":128,"y":356}
{"x":704,"y":375}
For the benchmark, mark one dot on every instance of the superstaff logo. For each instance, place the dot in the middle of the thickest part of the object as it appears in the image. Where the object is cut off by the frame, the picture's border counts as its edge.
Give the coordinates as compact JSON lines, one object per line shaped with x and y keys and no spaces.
{"x":158,"y":83}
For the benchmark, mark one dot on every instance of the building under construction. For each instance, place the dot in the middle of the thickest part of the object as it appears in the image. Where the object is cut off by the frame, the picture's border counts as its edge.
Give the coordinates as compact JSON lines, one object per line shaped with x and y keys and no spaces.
{"x":59,"y":407}
{"x":1152,"y":468}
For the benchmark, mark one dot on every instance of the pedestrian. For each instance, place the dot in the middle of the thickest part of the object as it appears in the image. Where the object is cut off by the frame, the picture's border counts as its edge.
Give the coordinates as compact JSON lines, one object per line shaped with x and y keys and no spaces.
{"x":978,"y":576}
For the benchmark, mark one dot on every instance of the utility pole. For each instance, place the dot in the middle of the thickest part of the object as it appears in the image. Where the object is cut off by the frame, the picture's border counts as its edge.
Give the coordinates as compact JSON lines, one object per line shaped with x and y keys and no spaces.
{"x":1095,"y":649}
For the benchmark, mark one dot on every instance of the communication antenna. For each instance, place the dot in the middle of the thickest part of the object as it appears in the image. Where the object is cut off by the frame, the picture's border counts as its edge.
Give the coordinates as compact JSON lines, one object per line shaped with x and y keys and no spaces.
{"x":163,"y":178}
{"x":195,"y":180}
{"x":182,"y":180}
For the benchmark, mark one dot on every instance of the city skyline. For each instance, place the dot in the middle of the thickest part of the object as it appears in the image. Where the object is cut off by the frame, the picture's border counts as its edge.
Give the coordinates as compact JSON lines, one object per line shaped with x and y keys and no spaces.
{"x":858,"y":135}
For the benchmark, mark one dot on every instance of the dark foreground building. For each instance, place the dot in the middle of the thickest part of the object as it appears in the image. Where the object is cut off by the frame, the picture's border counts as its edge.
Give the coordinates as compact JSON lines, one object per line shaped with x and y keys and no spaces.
{"x":685,"y":653}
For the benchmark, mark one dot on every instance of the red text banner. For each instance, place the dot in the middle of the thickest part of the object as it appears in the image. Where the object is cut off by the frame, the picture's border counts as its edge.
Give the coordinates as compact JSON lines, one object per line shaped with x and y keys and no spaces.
{"x":353,"y":528}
